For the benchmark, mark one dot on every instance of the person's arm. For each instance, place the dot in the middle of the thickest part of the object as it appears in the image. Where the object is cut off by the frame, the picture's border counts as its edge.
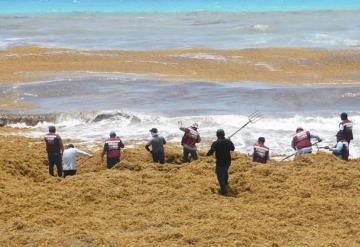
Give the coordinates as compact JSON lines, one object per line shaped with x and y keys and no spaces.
{"x":212,"y":150}
{"x":121,"y":144}
{"x":147,"y":146}
{"x":82,"y":153}
{"x":341,"y":126}
{"x":198,"y":139}
{"x":293,"y":144}
{"x":315,"y":137}
{"x":338,"y":148}
{"x":61,"y":144}
{"x":45,"y":143}
{"x":253,"y":155}
{"x":267,"y":155}
{"x":184,"y":129}
{"x":232,"y":147}
{"x":164,"y":141}
{"x":104,"y":151}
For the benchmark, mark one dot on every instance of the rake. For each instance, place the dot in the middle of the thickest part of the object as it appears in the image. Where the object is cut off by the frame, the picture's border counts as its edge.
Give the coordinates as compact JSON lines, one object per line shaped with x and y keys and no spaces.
{"x":252,"y":118}
{"x":291,"y":155}
{"x":82,"y":163}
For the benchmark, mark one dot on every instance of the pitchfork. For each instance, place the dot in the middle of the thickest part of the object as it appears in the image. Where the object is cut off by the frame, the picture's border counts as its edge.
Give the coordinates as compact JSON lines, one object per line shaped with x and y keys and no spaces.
{"x":252,"y":118}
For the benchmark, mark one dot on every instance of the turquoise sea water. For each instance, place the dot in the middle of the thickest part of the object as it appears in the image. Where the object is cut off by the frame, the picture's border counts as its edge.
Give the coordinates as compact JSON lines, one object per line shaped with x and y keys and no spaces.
{"x":151,"y":31}
{"x":46,"y":6}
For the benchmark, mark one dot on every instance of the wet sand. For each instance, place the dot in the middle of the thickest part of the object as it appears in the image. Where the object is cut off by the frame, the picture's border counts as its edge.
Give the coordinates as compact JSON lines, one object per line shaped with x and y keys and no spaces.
{"x":312,"y":201}
{"x":274,"y":65}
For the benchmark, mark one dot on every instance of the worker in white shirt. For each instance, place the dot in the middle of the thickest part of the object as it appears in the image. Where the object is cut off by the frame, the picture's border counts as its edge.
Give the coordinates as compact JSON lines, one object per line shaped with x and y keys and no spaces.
{"x":69,"y":159}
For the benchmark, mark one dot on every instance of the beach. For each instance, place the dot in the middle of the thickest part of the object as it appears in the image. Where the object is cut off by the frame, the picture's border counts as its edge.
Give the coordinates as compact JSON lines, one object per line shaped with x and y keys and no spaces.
{"x":311,"y":201}
{"x":94,"y":67}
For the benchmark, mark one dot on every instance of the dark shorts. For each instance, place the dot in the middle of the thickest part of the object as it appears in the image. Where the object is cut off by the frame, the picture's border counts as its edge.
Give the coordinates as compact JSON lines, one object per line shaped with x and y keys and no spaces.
{"x":111,"y":162}
{"x":69,"y":173}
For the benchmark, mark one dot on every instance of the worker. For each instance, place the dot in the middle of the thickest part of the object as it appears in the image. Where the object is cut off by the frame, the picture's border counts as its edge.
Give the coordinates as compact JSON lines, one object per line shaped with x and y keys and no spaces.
{"x":157,"y":146}
{"x":346,"y":127}
{"x":301,"y":141}
{"x":69,"y":158}
{"x":189,"y":140}
{"x":222,"y":148}
{"x":112,"y":149}
{"x":54,"y":148}
{"x":261,"y":152}
{"x":341,"y":149}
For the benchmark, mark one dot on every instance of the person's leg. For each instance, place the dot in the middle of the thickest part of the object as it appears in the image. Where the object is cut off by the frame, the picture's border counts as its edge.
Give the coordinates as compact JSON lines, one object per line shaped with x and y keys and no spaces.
{"x":112,"y":162}
{"x":227,"y":174}
{"x":58,"y":162}
{"x":109,"y":163}
{"x":155,"y":157}
{"x":194,"y":154}
{"x":161,"y":157}
{"x":51,"y":164}
{"x":185,"y":155}
{"x":220,"y":173}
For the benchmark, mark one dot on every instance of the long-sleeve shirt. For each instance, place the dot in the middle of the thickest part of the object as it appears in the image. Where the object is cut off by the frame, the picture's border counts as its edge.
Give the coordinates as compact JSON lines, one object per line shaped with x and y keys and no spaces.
{"x":222,"y":149}
{"x":69,"y":158}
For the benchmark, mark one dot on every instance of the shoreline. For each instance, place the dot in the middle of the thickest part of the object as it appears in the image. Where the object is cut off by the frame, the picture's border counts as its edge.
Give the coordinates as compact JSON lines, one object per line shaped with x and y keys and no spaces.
{"x":265,"y":65}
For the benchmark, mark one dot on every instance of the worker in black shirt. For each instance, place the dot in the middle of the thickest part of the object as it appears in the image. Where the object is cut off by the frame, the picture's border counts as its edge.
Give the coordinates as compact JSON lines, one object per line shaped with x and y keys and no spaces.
{"x":222,"y":148}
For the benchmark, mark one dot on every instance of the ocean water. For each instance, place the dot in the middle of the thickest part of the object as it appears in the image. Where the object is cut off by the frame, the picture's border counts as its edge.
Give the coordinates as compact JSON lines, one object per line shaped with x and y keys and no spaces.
{"x":150,"y":31}
{"x":41,"y":6}
{"x":87,"y":106}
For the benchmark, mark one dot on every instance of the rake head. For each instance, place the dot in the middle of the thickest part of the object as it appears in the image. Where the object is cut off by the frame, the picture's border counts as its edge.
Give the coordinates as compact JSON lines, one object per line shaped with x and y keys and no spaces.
{"x":255,"y":116}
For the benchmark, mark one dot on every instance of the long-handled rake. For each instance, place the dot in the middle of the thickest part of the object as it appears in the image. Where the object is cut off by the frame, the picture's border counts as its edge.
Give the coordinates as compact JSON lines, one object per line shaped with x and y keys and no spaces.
{"x":291,"y":155}
{"x":82,"y":163}
{"x":252,"y":118}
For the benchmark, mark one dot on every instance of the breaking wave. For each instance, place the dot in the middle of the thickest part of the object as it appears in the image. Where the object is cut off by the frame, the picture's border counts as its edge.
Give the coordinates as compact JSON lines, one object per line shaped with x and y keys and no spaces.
{"x":92,"y":127}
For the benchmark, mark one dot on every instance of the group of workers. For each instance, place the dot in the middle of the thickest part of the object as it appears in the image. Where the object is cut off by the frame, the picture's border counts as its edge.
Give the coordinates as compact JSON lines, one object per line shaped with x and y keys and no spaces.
{"x":65,"y":159}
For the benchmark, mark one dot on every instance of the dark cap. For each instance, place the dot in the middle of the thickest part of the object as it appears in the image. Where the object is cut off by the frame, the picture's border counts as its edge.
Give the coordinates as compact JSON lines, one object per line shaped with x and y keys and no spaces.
{"x":261,"y":139}
{"x":343,"y":116}
{"x":153,"y":130}
{"x":52,"y":129}
{"x":220,"y":133}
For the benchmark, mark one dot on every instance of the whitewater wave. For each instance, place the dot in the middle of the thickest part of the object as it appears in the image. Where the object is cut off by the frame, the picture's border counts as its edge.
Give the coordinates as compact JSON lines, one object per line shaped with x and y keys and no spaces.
{"x":92,"y":127}
{"x":261,"y":27}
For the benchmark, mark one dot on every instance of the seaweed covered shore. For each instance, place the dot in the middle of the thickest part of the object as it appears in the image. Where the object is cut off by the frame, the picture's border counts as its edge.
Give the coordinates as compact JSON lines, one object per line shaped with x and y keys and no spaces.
{"x":312,"y":201}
